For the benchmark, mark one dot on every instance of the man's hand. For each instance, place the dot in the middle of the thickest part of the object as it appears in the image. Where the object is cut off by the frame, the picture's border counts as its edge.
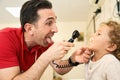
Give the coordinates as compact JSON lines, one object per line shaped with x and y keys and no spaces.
{"x":81,"y":55}
{"x":58,"y":50}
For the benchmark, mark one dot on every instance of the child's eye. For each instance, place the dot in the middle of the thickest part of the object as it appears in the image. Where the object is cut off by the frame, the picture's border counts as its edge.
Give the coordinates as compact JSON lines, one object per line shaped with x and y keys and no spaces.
{"x":98,"y":34}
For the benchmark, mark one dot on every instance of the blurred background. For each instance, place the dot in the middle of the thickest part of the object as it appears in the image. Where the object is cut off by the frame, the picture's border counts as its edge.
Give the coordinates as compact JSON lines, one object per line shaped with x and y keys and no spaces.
{"x":82,"y":15}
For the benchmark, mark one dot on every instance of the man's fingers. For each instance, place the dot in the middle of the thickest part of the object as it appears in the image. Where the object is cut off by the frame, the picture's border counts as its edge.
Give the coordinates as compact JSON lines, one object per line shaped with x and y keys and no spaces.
{"x":87,"y":56}
{"x":68,"y":44}
{"x":88,"y":52}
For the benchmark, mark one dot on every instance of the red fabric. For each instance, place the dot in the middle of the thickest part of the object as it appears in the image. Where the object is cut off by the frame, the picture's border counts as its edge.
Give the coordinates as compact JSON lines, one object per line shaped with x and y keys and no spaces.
{"x":14,"y":52}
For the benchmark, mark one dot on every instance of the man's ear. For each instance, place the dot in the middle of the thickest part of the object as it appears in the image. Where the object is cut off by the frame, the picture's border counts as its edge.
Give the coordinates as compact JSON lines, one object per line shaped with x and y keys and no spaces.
{"x":28,"y":28}
{"x":111,"y":47}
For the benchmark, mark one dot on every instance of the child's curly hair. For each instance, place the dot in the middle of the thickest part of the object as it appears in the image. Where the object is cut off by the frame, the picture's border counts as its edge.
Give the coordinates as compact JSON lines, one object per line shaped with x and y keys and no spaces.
{"x":114,"y":35}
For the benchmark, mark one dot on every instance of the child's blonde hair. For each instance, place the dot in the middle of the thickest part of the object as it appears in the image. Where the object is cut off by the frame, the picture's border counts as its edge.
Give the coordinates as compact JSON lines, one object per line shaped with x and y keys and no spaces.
{"x":114,"y":35}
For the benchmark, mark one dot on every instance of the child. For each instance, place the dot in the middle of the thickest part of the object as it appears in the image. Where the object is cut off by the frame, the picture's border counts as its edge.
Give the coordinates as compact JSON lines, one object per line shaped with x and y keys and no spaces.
{"x":105,"y":44}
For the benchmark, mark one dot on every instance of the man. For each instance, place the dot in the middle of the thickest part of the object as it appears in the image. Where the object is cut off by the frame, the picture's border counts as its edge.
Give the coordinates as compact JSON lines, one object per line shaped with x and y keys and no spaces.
{"x":26,"y":52}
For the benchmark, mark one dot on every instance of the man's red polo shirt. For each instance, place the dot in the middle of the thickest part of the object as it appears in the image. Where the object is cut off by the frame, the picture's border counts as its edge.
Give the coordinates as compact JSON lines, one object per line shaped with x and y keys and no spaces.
{"x":14,"y":52}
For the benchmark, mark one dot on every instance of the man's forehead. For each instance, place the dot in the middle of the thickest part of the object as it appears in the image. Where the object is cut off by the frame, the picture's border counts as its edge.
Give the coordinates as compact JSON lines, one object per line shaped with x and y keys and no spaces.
{"x":52,"y":18}
{"x":48,"y":14}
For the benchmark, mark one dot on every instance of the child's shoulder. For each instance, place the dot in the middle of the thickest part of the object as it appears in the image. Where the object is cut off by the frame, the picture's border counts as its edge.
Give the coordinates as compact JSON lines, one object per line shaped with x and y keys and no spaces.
{"x":111,"y":64}
{"x":110,"y":59}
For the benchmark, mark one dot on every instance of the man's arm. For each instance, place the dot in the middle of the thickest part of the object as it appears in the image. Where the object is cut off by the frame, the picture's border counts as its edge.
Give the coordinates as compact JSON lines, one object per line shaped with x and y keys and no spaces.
{"x":55,"y":52}
{"x":8,"y":73}
{"x":33,"y":73}
{"x":81,"y":55}
{"x":61,"y":66}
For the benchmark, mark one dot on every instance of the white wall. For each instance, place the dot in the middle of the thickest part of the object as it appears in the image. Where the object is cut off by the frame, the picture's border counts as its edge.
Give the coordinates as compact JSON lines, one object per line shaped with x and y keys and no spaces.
{"x":17,"y":24}
{"x":108,"y":12}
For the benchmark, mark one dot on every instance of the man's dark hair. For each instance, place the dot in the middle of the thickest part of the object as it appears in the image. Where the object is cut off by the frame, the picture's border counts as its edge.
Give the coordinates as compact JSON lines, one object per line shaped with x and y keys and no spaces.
{"x":28,"y":13}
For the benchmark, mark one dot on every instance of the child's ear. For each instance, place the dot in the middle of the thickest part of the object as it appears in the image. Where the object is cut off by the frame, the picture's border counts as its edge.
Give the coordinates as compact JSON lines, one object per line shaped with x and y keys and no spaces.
{"x":111,"y":47}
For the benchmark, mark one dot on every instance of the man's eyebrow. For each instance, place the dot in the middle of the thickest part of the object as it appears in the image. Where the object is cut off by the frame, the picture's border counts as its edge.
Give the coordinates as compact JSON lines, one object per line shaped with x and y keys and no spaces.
{"x":51,"y":18}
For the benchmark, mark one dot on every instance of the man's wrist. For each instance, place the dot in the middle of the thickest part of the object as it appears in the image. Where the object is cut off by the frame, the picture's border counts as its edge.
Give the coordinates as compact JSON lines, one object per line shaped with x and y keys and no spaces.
{"x":72,"y":63}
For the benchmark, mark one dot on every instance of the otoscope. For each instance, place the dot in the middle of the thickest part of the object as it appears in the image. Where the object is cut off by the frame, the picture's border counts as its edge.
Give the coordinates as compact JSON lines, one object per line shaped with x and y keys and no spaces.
{"x":75,"y":35}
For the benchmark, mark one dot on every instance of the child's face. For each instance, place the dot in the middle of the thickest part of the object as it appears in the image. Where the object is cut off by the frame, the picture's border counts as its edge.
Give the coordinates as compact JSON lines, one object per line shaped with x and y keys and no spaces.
{"x":100,"y":40}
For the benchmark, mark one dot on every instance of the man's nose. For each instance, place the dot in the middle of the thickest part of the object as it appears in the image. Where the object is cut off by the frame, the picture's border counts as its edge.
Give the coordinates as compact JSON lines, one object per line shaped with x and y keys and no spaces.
{"x":54,"y":29}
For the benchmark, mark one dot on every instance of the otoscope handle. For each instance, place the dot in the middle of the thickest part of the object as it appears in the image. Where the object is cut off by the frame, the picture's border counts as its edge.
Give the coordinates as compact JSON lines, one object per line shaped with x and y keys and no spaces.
{"x":75,"y":35}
